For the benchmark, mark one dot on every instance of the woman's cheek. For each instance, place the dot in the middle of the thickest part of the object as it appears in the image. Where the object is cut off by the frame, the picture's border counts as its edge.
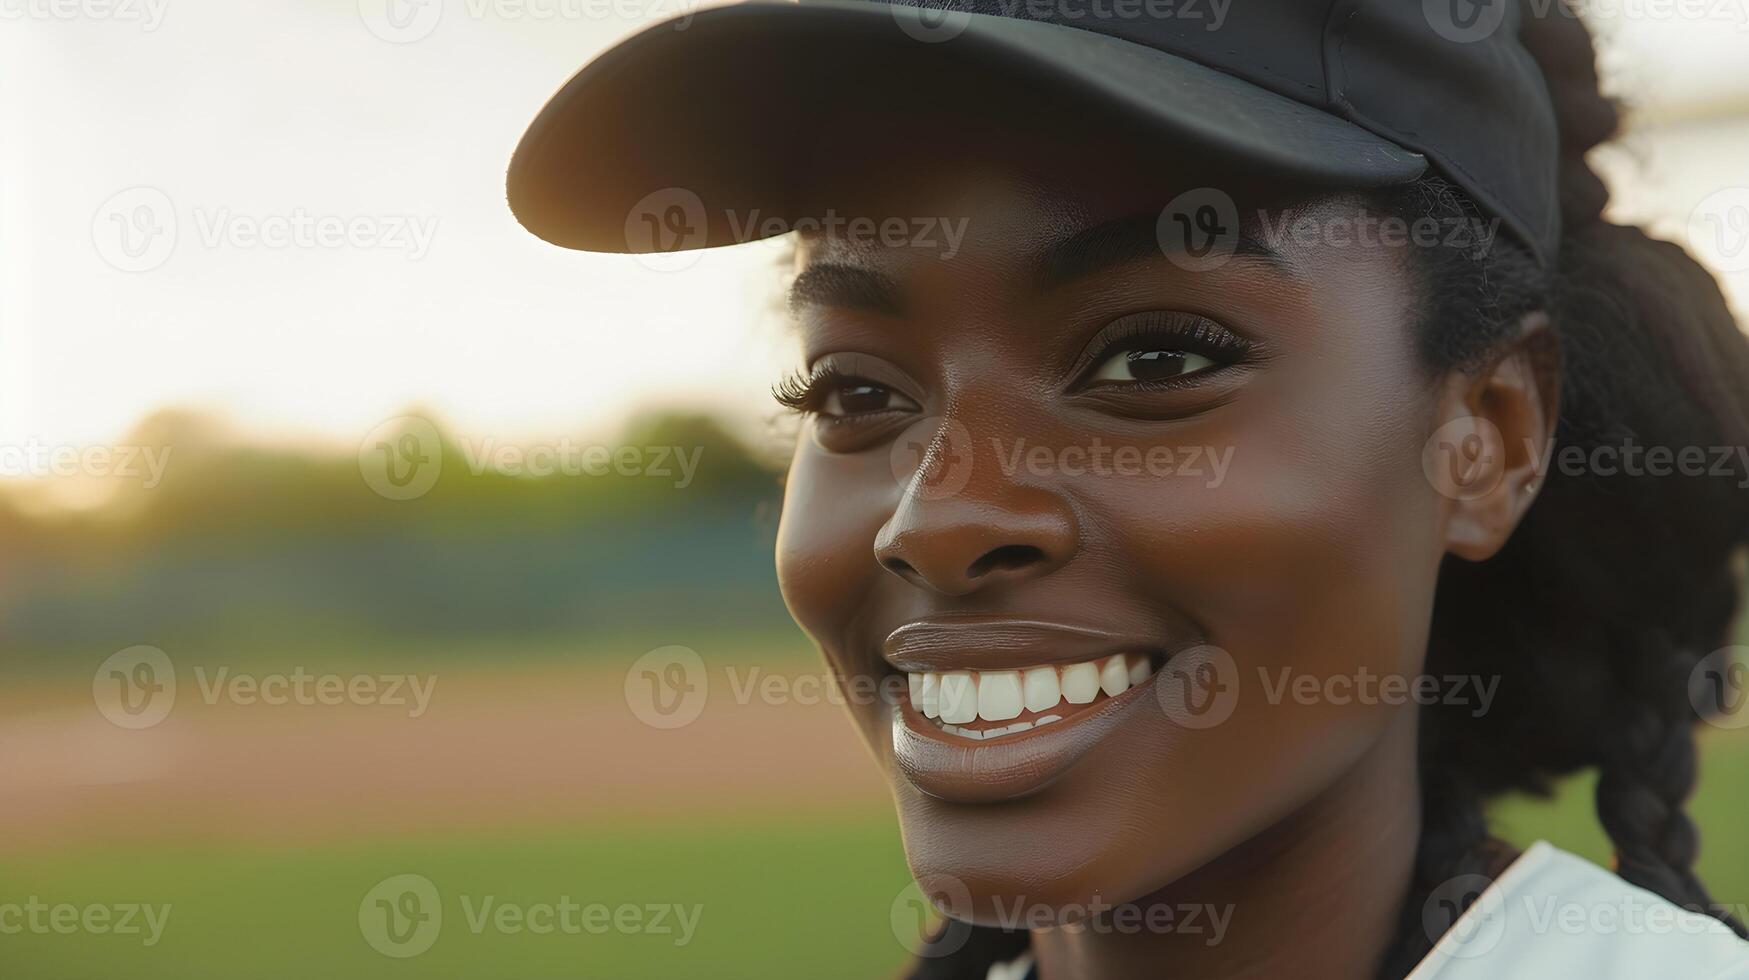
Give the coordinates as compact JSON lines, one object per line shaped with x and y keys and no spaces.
{"x":1292,"y":563}
{"x":833,"y":506}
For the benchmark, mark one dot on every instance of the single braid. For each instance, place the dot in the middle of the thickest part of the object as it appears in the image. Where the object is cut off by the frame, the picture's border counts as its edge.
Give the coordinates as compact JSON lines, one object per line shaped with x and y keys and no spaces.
{"x":1646,"y":776}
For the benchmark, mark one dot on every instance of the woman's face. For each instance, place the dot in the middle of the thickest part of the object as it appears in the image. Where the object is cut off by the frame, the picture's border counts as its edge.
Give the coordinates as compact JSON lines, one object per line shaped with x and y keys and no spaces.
{"x":1066,"y":443}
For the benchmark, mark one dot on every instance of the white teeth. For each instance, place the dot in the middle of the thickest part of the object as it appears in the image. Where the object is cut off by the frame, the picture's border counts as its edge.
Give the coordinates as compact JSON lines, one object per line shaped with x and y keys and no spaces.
{"x":998,"y":694}
{"x":929,"y":702}
{"x":1114,"y":676}
{"x":980,"y":736}
{"x":1140,"y":668}
{"x":1040,"y":688}
{"x":959,"y":697}
{"x":1081,"y":683}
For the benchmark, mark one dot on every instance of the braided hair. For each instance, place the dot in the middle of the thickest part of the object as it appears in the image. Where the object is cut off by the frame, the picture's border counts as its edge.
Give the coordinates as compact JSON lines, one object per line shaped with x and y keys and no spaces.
{"x":1614,"y":587}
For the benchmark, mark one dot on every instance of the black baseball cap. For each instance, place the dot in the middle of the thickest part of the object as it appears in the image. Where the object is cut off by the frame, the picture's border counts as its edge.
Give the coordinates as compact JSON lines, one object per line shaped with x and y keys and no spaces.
{"x":695,"y":117}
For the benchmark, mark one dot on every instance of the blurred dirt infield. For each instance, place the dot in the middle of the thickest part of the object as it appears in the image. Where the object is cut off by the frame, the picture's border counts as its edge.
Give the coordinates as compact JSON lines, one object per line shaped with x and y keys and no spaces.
{"x":495,"y":749}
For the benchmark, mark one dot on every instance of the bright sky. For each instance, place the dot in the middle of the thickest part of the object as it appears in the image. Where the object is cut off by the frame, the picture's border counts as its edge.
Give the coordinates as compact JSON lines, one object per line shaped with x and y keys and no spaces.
{"x":239,"y":120}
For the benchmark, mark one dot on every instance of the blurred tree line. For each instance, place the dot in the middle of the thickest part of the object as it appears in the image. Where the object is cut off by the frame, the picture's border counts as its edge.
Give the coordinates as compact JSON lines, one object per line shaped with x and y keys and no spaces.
{"x":246,"y":548}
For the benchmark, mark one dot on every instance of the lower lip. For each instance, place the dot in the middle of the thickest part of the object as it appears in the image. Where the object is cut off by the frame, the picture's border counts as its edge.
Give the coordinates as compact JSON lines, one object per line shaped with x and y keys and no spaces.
{"x":959,"y":770}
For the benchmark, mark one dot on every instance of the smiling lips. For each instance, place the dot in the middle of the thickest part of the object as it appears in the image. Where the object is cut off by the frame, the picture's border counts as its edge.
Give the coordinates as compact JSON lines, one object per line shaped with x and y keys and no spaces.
{"x":999,"y":708}
{"x":986,"y":704}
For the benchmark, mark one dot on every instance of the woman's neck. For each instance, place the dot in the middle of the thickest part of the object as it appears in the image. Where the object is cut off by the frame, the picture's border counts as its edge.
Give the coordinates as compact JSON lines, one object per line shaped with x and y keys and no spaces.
{"x":1318,"y":895}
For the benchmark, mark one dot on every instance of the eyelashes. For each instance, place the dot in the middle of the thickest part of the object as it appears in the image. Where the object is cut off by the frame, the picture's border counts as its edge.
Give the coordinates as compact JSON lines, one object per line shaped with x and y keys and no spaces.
{"x":1143,"y":337}
{"x":839,"y":395}
{"x":1183,"y":332}
{"x":797,"y":391}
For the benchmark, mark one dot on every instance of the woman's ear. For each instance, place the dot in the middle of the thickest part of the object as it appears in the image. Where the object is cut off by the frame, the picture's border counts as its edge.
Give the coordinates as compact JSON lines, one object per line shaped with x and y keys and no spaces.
{"x":1495,"y":435}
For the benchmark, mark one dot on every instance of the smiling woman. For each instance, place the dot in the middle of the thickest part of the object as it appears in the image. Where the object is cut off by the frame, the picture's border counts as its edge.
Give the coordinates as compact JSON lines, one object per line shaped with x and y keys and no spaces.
{"x":1353,"y":250}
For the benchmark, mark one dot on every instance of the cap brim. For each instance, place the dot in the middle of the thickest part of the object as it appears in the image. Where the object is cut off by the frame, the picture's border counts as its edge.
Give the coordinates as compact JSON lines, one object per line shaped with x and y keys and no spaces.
{"x":659,"y":143}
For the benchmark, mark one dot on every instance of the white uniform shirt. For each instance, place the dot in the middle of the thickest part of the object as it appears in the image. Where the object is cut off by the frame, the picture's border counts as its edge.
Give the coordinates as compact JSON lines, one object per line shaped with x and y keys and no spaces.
{"x":1553,"y":916}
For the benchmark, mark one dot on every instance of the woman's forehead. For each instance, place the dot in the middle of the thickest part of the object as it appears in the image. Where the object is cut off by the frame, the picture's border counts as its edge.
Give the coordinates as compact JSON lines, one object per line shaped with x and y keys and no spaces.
{"x":1046,"y":234}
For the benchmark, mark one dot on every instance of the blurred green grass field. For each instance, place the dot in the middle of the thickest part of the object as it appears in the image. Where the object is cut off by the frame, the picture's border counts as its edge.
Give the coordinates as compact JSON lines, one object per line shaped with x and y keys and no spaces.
{"x":786,"y":897}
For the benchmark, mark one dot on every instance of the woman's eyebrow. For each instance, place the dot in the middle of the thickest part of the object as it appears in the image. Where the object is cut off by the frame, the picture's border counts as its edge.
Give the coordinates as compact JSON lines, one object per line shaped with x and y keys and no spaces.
{"x":1121,"y":240}
{"x":848,"y":286}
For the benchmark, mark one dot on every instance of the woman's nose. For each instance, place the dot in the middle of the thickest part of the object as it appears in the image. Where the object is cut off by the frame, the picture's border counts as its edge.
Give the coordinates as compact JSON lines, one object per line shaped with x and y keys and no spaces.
{"x":981,"y":535}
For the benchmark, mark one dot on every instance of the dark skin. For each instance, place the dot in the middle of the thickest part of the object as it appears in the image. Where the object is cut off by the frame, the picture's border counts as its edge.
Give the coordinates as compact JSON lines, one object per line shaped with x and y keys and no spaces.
{"x":1317,"y":553}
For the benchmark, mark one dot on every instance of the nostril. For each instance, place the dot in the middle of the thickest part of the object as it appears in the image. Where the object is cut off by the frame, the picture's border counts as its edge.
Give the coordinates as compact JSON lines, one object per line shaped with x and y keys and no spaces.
{"x":1009,"y":556}
{"x":898,"y":566}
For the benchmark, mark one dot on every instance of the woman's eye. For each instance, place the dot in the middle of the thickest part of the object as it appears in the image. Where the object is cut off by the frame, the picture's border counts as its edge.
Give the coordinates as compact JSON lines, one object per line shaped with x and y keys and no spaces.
{"x":1151,"y":364}
{"x":857,"y":397}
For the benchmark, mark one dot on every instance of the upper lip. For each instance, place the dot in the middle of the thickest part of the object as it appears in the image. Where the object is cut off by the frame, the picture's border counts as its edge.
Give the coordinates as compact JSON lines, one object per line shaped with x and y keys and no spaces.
{"x":942,"y":643}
